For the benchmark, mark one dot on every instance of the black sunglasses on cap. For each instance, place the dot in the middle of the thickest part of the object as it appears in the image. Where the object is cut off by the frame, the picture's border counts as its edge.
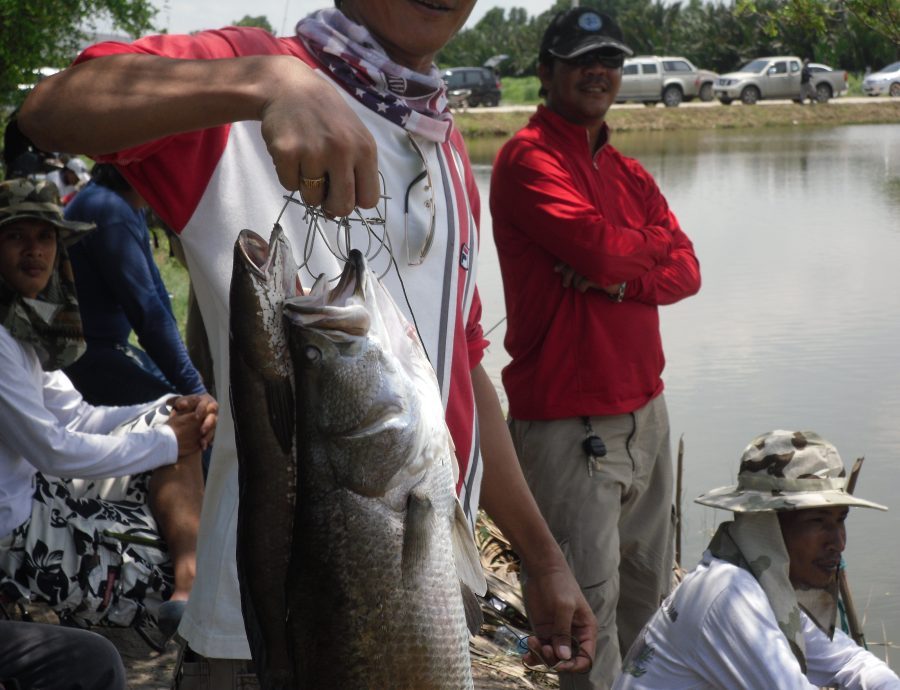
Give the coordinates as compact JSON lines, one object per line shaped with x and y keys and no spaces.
{"x":596,"y":57}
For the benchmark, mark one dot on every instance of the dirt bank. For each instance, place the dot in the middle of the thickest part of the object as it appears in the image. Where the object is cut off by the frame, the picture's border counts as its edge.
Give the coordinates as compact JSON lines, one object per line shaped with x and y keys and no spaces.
{"x":502,"y":122}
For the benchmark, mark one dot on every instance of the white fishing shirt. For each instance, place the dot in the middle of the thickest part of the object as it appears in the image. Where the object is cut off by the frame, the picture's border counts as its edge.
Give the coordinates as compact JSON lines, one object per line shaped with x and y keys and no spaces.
{"x":717,"y":630}
{"x":46,"y":426}
{"x":210,"y":185}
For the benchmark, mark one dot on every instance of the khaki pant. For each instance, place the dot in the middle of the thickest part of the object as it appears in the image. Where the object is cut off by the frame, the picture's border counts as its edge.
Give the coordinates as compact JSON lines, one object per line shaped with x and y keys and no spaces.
{"x":195,"y":672}
{"x":614,"y":525}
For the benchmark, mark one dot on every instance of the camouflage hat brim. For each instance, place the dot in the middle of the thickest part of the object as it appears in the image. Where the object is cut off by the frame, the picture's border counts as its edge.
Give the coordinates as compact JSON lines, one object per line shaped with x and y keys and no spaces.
{"x":740,"y":499}
{"x":70,"y":231}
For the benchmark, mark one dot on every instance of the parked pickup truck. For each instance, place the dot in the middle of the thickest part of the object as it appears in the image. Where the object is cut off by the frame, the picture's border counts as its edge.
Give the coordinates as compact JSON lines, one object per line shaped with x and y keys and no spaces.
{"x":651,"y":79}
{"x":777,"y":77}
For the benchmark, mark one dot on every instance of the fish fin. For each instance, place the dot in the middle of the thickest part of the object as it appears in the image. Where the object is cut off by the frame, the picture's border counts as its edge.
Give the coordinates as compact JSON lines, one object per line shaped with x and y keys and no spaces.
{"x":472,"y":609}
{"x":416,"y":533}
{"x":465,"y":553}
{"x":280,"y":405}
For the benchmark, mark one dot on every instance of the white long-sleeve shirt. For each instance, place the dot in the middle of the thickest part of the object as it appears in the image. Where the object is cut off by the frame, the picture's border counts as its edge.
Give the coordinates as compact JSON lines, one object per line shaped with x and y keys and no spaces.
{"x":46,"y":426}
{"x":717,"y":630}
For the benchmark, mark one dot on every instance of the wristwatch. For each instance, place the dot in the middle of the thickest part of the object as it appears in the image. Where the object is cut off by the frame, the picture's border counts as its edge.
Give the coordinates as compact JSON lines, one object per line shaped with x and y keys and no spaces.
{"x":618,"y":296}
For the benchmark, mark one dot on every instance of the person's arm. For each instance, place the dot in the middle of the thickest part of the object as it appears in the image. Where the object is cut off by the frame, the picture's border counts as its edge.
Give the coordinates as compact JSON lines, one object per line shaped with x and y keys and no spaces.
{"x":532,"y":191}
{"x":115,"y":250}
{"x":844,"y":663}
{"x":554,"y":600}
{"x":42,"y":418}
{"x":127,"y":100}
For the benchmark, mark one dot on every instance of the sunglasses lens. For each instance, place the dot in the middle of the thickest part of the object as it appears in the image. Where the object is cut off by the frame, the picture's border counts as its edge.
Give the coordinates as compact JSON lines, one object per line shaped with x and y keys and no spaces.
{"x":598,"y":58}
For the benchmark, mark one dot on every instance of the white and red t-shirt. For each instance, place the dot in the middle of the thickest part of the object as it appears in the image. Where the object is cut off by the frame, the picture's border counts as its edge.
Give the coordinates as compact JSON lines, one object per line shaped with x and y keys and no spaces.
{"x":211,"y":184}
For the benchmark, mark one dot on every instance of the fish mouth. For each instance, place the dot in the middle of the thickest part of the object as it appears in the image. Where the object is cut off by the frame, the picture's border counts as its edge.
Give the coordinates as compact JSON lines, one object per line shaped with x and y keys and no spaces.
{"x":263,"y":259}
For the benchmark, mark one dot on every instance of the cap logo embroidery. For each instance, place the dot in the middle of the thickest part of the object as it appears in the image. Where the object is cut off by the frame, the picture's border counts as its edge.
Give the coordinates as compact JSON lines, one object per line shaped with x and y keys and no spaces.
{"x":590,"y":22}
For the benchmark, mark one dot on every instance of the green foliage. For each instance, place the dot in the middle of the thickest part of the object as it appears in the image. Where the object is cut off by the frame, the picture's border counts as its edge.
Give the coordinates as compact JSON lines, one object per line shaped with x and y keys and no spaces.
{"x":261,"y":22}
{"x":46,"y":33}
{"x":717,"y":35}
{"x":521,"y":90}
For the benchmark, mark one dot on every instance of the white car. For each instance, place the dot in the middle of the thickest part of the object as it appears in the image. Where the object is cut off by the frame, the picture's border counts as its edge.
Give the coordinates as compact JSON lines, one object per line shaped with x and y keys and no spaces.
{"x":884,"y":81}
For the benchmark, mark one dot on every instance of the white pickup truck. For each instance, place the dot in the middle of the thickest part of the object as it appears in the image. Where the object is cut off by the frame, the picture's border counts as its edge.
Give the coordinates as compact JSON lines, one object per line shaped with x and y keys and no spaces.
{"x":777,"y":77}
{"x":651,"y":79}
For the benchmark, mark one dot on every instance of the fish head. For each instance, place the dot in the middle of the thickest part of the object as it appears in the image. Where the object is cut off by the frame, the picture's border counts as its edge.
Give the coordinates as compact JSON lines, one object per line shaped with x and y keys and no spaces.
{"x":356,"y":399}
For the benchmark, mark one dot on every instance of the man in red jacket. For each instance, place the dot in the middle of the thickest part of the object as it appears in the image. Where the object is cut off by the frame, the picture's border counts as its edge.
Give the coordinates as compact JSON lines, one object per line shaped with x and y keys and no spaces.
{"x":588,"y":250}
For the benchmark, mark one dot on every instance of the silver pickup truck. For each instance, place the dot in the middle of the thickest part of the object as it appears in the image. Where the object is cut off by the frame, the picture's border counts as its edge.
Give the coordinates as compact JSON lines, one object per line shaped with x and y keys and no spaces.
{"x":777,"y":77}
{"x":651,"y":79}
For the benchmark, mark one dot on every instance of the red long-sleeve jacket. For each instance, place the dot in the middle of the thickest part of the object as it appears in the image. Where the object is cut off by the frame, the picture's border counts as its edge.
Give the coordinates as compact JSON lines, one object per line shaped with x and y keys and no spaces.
{"x":553,"y":201}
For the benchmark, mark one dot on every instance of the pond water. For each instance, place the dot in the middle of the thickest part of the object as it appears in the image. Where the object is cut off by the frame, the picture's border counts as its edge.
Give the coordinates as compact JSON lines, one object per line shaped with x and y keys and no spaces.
{"x":796,"y":325}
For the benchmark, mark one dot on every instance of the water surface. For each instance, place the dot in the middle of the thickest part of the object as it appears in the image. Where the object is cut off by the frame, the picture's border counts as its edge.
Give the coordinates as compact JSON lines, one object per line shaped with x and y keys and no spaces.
{"x":796,"y":325}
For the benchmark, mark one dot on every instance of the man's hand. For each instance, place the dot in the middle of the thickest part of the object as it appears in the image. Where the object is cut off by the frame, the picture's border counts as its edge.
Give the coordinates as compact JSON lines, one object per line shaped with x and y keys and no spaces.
{"x":572,"y":279}
{"x":311,"y":133}
{"x":558,"y":612}
{"x":196,"y":417}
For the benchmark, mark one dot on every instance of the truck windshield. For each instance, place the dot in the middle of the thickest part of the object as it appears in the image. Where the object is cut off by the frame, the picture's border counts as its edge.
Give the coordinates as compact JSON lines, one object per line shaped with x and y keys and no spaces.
{"x":755,"y":66}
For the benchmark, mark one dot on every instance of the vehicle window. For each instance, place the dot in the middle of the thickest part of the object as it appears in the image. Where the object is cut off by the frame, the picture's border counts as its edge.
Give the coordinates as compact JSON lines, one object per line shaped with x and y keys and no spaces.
{"x":795,"y":66}
{"x":676,"y":66}
{"x":756,"y":66}
{"x":454,"y":80}
{"x":779,"y":68}
{"x":893,"y":67}
{"x":629,"y":69}
{"x":472,"y":78}
{"x":650,"y":69}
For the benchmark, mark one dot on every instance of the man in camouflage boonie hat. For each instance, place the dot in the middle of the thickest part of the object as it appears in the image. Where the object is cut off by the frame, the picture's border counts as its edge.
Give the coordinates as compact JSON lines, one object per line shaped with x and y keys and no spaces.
{"x":38,"y":302}
{"x":759,"y":610}
{"x":786,"y":470}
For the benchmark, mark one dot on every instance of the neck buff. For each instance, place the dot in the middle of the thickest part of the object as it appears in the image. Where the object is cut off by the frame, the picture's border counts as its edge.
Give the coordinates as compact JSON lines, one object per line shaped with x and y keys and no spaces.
{"x":753,"y":542}
{"x":417,"y":102}
{"x":51,"y":323}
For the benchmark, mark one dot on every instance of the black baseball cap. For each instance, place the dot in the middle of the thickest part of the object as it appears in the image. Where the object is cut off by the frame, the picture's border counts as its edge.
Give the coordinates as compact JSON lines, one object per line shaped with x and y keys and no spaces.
{"x":580,"y":30}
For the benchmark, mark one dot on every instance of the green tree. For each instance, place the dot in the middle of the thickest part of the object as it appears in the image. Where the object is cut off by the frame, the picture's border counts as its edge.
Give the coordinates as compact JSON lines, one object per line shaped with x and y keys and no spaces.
{"x":261,"y":22}
{"x":48,"y":34}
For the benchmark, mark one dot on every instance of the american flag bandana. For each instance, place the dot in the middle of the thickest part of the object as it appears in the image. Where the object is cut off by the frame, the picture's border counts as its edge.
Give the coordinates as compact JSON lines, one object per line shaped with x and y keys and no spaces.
{"x":417,"y":102}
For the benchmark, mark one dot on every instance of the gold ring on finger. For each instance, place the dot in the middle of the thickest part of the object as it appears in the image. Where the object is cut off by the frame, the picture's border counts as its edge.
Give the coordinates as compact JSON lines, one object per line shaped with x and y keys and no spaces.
{"x":313,"y":182}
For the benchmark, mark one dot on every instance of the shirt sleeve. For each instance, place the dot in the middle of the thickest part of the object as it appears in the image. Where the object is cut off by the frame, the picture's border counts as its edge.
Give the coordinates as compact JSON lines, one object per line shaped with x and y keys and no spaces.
{"x":49,"y":424}
{"x":842,"y":662}
{"x":533,"y":191}
{"x":740,"y":645}
{"x":172,"y":173}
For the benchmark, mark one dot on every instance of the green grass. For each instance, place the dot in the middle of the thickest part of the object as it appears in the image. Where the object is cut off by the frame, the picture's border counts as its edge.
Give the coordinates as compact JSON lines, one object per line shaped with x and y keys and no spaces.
{"x":174,"y":275}
{"x":521,"y":91}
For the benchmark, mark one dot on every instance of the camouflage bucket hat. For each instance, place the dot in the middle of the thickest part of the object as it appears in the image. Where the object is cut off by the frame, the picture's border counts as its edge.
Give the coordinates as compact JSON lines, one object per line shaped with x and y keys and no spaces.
{"x":787,"y":470}
{"x":22,"y":199}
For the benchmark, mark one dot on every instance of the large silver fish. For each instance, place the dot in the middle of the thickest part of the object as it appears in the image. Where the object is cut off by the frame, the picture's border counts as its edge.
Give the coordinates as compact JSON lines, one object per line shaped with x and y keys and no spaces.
{"x":375,"y":599}
{"x":262,"y":403}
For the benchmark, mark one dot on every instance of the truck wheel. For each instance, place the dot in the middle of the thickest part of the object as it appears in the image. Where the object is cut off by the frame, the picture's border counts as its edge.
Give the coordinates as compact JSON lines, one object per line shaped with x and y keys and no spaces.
{"x":672,"y":96}
{"x":725,"y":101}
{"x":706,"y":92}
{"x":823,"y":92}
{"x":750,"y":95}
{"x":895,"y":89}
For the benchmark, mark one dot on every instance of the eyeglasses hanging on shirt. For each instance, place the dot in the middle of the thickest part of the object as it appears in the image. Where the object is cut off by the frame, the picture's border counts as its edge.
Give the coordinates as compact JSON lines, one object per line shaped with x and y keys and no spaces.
{"x":419,"y":191}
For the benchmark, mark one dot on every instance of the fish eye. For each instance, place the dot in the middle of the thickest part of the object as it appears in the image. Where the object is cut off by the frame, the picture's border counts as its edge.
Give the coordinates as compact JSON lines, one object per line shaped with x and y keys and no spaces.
{"x":312,"y":353}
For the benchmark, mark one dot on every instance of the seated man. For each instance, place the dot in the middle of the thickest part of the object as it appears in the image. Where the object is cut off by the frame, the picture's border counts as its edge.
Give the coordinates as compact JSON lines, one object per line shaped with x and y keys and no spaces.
{"x":91,"y":550}
{"x":759,"y":611}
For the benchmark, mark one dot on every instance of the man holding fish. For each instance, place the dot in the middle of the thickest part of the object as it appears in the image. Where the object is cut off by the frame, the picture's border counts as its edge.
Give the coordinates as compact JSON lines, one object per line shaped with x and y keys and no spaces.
{"x":210,"y":129}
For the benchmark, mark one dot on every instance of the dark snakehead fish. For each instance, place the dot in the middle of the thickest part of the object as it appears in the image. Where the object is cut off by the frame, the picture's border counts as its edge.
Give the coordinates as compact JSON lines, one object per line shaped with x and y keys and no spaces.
{"x":384,"y":563}
{"x":263,"y":409}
